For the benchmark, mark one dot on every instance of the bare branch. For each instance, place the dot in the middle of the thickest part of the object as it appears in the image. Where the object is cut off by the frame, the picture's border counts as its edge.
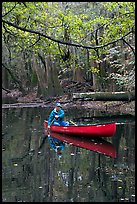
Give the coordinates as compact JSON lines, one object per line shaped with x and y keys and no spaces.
{"x":128,"y":45}
{"x":7,"y":90}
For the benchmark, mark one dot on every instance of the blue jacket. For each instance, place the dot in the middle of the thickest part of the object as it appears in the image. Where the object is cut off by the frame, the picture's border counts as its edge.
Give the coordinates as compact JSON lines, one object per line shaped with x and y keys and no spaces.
{"x":56,"y":144}
{"x":60,"y":113}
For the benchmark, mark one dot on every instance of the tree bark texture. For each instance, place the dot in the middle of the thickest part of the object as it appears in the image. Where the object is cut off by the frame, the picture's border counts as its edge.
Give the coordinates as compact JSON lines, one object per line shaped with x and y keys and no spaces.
{"x":54,"y":87}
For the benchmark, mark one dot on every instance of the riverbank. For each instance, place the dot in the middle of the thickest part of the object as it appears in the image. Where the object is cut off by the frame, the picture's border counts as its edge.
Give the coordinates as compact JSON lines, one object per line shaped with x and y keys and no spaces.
{"x":119,"y":107}
{"x":15,"y":100}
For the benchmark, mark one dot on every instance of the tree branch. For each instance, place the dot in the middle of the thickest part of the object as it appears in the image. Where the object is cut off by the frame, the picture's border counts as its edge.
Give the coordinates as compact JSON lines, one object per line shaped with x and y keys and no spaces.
{"x":91,"y":32}
{"x":14,"y":78}
{"x":35,"y":42}
{"x":9,"y":31}
{"x":129,"y":45}
{"x":63,"y":42}
{"x":10,"y":10}
{"x":7,"y":90}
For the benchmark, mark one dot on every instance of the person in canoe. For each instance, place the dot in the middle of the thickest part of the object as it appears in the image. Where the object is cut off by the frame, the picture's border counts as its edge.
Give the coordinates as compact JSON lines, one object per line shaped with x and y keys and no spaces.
{"x":57,"y":116}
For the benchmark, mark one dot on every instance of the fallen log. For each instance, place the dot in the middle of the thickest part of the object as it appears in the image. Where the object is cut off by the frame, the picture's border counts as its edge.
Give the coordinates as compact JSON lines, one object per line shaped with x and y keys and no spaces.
{"x":105,"y":96}
{"x":23,"y":105}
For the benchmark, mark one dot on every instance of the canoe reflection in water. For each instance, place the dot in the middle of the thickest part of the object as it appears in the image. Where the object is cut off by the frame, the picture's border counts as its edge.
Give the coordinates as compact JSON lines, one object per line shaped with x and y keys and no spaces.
{"x":57,"y":142}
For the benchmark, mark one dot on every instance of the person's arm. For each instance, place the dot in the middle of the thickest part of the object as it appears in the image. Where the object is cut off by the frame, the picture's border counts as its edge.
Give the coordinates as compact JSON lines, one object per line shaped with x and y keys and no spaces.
{"x":61,"y":114}
{"x":51,"y":117}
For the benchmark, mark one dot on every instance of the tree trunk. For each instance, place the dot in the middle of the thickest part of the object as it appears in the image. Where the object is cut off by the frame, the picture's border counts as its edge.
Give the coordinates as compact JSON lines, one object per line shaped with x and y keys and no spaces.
{"x":54,"y":87}
{"x":89,"y":75}
{"x":42,"y":83}
{"x":5,"y":78}
{"x":78,"y":72}
{"x":105,"y":96}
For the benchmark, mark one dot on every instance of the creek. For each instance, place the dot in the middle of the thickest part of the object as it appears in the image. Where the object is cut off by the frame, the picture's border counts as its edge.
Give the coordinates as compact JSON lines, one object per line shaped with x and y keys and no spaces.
{"x":80,"y":175}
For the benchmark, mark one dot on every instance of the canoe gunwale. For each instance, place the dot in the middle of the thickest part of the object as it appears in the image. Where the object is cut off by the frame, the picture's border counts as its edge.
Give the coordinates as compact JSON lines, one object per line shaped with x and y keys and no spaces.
{"x":102,"y":130}
{"x":84,"y":125}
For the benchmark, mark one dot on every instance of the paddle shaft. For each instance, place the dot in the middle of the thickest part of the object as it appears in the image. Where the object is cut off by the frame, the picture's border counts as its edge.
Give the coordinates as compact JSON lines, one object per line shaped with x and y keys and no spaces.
{"x":52,"y":121}
{"x":43,"y":140}
{"x":73,"y":123}
{"x":49,"y":126}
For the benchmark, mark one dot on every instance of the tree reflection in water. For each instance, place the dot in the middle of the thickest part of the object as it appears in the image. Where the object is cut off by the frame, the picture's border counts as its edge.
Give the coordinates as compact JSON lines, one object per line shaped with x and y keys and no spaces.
{"x":33,"y":174}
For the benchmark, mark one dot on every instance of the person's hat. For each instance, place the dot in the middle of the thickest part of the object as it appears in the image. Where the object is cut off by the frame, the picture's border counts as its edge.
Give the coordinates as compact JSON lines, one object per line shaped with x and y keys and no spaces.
{"x":58,"y":104}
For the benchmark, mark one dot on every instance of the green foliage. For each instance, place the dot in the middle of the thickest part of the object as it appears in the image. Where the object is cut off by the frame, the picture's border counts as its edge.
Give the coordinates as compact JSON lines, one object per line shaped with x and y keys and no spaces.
{"x":48,"y":18}
{"x":124,"y":70}
{"x":94,"y":70}
{"x":66,"y":22}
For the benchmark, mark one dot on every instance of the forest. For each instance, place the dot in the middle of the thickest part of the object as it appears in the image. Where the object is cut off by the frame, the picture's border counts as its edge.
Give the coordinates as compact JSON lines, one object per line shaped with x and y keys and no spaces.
{"x":52,"y":49}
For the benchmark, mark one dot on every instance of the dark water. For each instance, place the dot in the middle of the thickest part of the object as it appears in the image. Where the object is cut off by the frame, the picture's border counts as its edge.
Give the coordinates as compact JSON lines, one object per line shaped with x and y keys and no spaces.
{"x":33,"y":174}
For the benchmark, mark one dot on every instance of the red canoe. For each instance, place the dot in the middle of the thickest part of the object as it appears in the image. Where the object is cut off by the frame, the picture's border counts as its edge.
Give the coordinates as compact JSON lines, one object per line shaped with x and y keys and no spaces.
{"x":103,"y":130}
{"x":94,"y":144}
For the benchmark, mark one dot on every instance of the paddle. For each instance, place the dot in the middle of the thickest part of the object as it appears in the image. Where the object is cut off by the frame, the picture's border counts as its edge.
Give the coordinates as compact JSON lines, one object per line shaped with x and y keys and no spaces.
{"x":49,"y":127}
{"x":73,"y":123}
{"x":42,"y":143}
{"x":44,"y":138}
